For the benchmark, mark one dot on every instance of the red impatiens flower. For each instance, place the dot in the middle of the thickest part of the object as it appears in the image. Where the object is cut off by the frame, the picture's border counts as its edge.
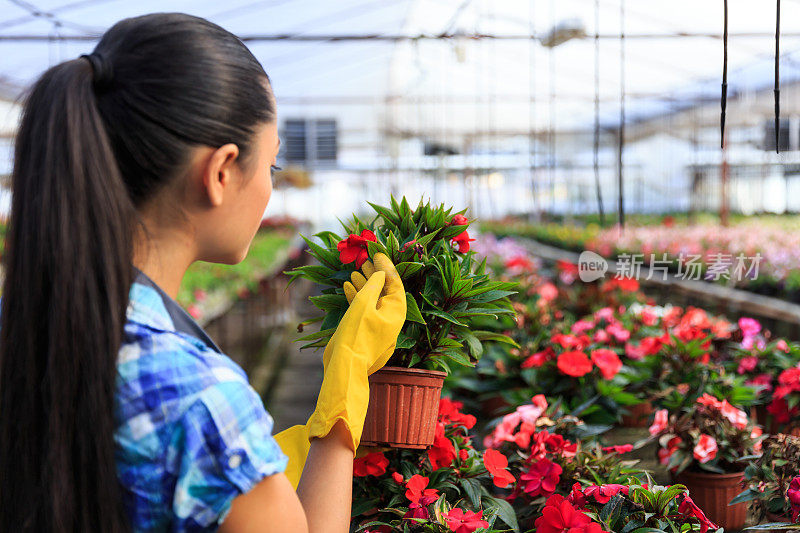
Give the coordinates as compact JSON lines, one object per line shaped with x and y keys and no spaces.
{"x":607,"y":361}
{"x":354,"y":248}
{"x":648,"y":346}
{"x":665,"y":454}
{"x":536,"y":360}
{"x":462,"y":521}
{"x":459,"y":220}
{"x":442,"y":453}
{"x":793,"y":494}
{"x":621,"y":448}
{"x":705,"y":449}
{"x":574,"y":363}
{"x":418,"y":493}
{"x":449,"y":413}
{"x":462,"y":240}
{"x":689,"y":508}
{"x":541,"y":478}
{"x":559,"y":516}
{"x":604,"y":493}
{"x":398,"y":478}
{"x":373,"y":464}
{"x":496,"y":463}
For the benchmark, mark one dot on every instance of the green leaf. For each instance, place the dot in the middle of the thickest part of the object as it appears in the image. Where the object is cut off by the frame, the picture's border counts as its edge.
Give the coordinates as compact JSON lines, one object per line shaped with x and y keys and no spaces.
{"x":473,"y":490}
{"x":408,"y":268}
{"x":444,"y":315}
{"x":496,"y":337}
{"x":504,"y":510}
{"x":412,"y":310}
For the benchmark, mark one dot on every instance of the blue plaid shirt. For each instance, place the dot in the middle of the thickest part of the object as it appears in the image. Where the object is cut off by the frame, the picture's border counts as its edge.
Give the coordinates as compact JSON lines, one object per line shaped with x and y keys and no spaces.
{"x":191,"y":433}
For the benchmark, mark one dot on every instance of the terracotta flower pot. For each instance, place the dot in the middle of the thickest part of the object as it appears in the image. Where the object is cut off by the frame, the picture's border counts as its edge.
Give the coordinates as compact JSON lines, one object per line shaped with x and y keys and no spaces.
{"x":403,"y":407}
{"x":639,"y":416}
{"x":712,"y":492}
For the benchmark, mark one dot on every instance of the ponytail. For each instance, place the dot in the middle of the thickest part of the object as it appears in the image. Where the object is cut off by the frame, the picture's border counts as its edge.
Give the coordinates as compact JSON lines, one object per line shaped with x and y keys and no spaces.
{"x":100,"y":136}
{"x":67,"y":276}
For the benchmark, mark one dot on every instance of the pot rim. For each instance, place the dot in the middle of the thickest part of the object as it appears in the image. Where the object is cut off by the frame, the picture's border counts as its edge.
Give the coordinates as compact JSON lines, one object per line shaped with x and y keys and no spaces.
{"x":404,"y":370}
{"x":710,"y":475}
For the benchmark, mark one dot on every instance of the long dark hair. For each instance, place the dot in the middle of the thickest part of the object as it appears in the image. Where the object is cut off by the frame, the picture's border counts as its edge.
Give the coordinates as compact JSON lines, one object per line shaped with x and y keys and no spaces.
{"x":99,"y":137}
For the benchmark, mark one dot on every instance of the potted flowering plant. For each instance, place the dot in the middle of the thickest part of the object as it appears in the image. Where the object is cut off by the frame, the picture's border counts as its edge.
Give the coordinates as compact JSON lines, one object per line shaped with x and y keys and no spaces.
{"x":773,"y":482}
{"x":704,"y":445}
{"x":446,"y":290}
{"x":449,"y":487}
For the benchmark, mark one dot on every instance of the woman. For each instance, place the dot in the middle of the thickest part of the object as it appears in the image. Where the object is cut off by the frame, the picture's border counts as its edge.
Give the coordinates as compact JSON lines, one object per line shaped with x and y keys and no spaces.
{"x":117,"y":412}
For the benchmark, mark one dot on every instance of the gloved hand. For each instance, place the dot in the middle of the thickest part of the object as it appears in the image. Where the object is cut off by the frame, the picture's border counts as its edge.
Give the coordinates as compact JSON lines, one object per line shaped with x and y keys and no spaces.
{"x":364,"y":340}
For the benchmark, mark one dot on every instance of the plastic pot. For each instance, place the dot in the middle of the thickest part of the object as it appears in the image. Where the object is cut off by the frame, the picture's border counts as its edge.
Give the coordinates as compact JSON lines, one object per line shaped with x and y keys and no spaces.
{"x":712,"y":492}
{"x":639,"y":416}
{"x":403,"y":407}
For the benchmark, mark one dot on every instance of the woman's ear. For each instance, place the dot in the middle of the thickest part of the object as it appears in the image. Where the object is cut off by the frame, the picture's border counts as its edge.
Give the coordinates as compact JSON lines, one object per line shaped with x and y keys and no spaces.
{"x":218,"y":174}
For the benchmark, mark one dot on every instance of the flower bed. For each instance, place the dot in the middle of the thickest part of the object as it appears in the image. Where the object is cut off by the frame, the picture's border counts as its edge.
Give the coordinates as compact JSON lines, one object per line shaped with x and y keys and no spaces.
{"x":586,"y":355}
{"x":209,"y":288}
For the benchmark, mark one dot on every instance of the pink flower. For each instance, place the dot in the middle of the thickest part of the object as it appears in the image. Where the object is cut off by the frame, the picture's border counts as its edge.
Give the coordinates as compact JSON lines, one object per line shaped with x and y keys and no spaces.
{"x":462,"y":521}
{"x":194,"y":311}
{"x":782,"y":346}
{"x":622,"y":448}
{"x":735,"y":416}
{"x":747,"y":364}
{"x":547,"y":292}
{"x":660,"y":422}
{"x":749,"y":326}
{"x":706,"y":448}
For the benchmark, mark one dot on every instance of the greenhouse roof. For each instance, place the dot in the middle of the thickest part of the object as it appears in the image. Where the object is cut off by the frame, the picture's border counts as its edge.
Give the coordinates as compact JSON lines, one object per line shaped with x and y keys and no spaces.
{"x":419,"y":60}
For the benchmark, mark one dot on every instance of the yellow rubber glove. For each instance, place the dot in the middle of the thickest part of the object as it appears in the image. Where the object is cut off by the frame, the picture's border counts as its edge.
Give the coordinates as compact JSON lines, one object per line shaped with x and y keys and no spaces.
{"x":362,"y":343}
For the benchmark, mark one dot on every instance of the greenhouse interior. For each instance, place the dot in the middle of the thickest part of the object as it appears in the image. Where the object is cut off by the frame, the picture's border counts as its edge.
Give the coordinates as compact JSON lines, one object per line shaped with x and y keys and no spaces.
{"x":587,"y":216}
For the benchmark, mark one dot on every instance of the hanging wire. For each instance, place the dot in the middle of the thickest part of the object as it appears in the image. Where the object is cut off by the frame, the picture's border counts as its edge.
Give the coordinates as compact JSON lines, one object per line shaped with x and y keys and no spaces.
{"x":596,"y":161}
{"x":777,"y":78}
{"x":620,"y":177}
{"x":724,"y":100}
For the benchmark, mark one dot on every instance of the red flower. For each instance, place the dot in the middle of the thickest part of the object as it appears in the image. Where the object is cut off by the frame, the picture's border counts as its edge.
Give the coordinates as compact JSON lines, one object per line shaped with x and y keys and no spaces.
{"x":604,"y":493}
{"x":398,"y":477}
{"x":577,"y":497}
{"x":779,"y":408}
{"x":793,"y":494}
{"x":574,"y":364}
{"x":418,"y":493}
{"x":442,"y":453}
{"x":648,"y":346}
{"x":709,"y":401}
{"x":660,"y":422}
{"x":689,"y":508}
{"x":559,"y":516}
{"x":541,"y":478}
{"x":354,"y":248}
{"x":463,"y":455}
{"x":459,"y":220}
{"x":462,"y":521}
{"x":623,"y":448}
{"x":624,"y":284}
{"x":449,"y":414}
{"x":706,"y":448}
{"x":373,"y":464}
{"x":536,"y":360}
{"x":665,"y":454}
{"x":496,"y":463}
{"x":194,"y":311}
{"x":462,"y":240}
{"x":607,"y":361}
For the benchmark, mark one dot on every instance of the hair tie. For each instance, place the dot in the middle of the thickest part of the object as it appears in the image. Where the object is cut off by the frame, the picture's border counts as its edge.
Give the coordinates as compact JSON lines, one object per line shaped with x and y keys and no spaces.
{"x":102,"y":73}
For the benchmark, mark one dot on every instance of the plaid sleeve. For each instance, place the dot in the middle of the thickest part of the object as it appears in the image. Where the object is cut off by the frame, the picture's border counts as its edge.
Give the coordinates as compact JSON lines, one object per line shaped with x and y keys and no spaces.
{"x":225,"y":447}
